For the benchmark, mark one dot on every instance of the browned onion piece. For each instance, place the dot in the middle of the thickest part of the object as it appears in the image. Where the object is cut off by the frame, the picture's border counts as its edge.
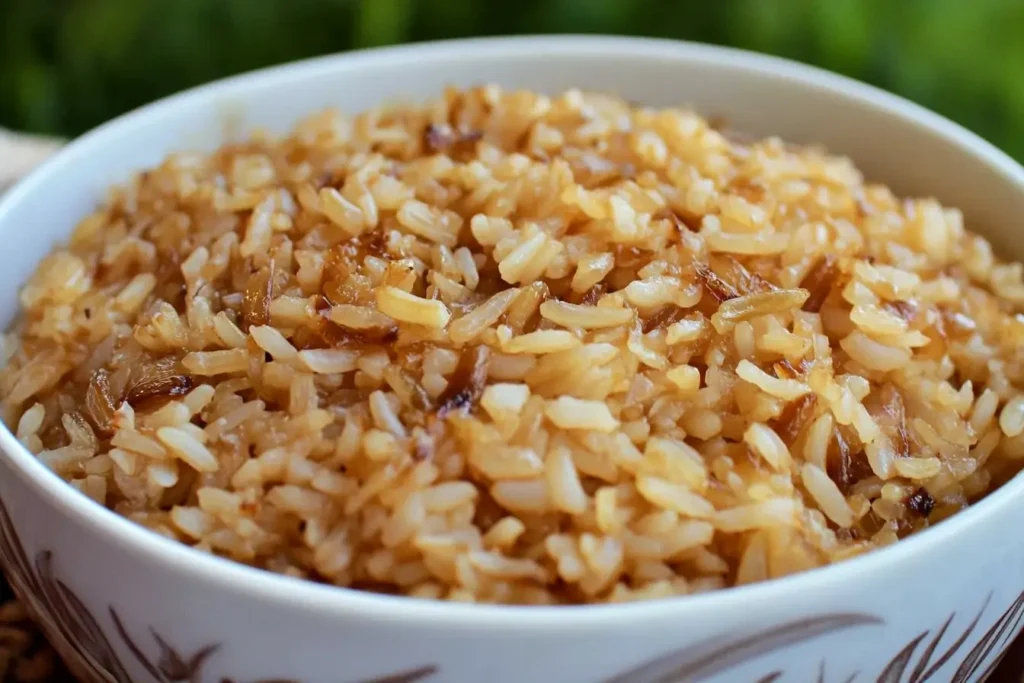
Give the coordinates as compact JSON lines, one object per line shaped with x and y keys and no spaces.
{"x":162,"y":378}
{"x":818,"y":282}
{"x":99,"y":403}
{"x":794,"y":416}
{"x":256,"y":304}
{"x":716,"y":286}
{"x":466,"y":383}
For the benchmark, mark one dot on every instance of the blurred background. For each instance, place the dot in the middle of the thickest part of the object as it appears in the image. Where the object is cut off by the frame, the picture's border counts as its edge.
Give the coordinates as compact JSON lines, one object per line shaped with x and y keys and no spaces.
{"x":68,"y":65}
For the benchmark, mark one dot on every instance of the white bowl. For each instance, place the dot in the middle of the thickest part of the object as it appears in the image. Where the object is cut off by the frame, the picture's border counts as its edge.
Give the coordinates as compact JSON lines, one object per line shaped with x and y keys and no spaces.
{"x":126,"y":605}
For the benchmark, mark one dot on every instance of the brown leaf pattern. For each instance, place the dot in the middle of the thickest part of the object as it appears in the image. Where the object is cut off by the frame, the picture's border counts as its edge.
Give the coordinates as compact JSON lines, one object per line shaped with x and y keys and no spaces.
{"x":996,"y":638}
{"x":704,"y":660}
{"x":893,"y":672}
{"x":919,"y":673}
{"x":714,"y":657}
{"x":74,"y":635}
{"x":78,"y":638}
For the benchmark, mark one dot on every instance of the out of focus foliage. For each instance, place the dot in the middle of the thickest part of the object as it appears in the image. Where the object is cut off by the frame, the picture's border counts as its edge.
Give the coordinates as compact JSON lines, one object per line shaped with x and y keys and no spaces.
{"x":67,"y":65}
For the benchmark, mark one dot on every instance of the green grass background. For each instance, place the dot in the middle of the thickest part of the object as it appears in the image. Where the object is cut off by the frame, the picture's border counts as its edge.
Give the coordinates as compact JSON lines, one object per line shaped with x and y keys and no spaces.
{"x":68,"y":65}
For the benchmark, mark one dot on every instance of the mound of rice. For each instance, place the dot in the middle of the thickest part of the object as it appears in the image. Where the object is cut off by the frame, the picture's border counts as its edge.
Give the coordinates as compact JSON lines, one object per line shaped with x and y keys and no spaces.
{"x":519,"y":349}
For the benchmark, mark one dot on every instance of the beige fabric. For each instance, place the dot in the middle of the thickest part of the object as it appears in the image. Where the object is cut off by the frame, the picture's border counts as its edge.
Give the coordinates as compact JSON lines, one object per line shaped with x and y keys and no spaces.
{"x":20,"y":153}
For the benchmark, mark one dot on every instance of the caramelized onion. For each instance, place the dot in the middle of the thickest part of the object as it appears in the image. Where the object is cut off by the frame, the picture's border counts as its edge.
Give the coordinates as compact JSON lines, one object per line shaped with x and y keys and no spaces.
{"x":846,"y":465}
{"x":160,"y":379}
{"x":466,"y":383}
{"x":258,"y":291}
{"x":663,"y":317}
{"x":921,"y":502}
{"x":99,"y":403}
{"x":819,"y":281}
{"x":717,"y":287}
{"x":794,"y":416}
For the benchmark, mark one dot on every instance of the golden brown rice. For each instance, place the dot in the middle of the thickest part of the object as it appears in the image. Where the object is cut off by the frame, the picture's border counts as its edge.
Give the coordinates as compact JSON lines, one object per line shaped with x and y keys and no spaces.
{"x":514,"y":348}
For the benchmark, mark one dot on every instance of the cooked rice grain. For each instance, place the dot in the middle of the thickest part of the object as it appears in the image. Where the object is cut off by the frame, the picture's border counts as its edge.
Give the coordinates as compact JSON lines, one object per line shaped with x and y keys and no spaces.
{"x":589,"y":353}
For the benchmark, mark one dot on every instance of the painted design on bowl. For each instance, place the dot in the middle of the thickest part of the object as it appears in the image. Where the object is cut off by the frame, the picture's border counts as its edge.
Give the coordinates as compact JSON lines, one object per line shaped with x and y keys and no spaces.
{"x":704,"y":661}
{"x":76,"y":635}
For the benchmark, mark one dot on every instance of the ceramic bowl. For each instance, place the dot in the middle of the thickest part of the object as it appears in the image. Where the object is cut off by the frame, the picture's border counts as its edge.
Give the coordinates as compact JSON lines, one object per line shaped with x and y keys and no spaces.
{"x":125,"y":605}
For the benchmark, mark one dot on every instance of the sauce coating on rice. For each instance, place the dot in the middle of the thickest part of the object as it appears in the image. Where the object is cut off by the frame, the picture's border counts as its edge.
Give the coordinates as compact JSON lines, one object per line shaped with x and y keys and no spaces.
{"x":510,"y":348}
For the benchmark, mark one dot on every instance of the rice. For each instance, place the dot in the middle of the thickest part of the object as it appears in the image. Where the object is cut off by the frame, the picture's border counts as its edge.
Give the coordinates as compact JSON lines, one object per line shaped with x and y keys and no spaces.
{"x":541,"y":342}
{"x":568,"y":351}
{"x":567,"y":412}
{"x":409,"y":308}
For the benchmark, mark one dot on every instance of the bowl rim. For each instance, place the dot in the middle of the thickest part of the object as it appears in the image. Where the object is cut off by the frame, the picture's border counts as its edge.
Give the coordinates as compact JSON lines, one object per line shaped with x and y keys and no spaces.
{"x":261,"y":585}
